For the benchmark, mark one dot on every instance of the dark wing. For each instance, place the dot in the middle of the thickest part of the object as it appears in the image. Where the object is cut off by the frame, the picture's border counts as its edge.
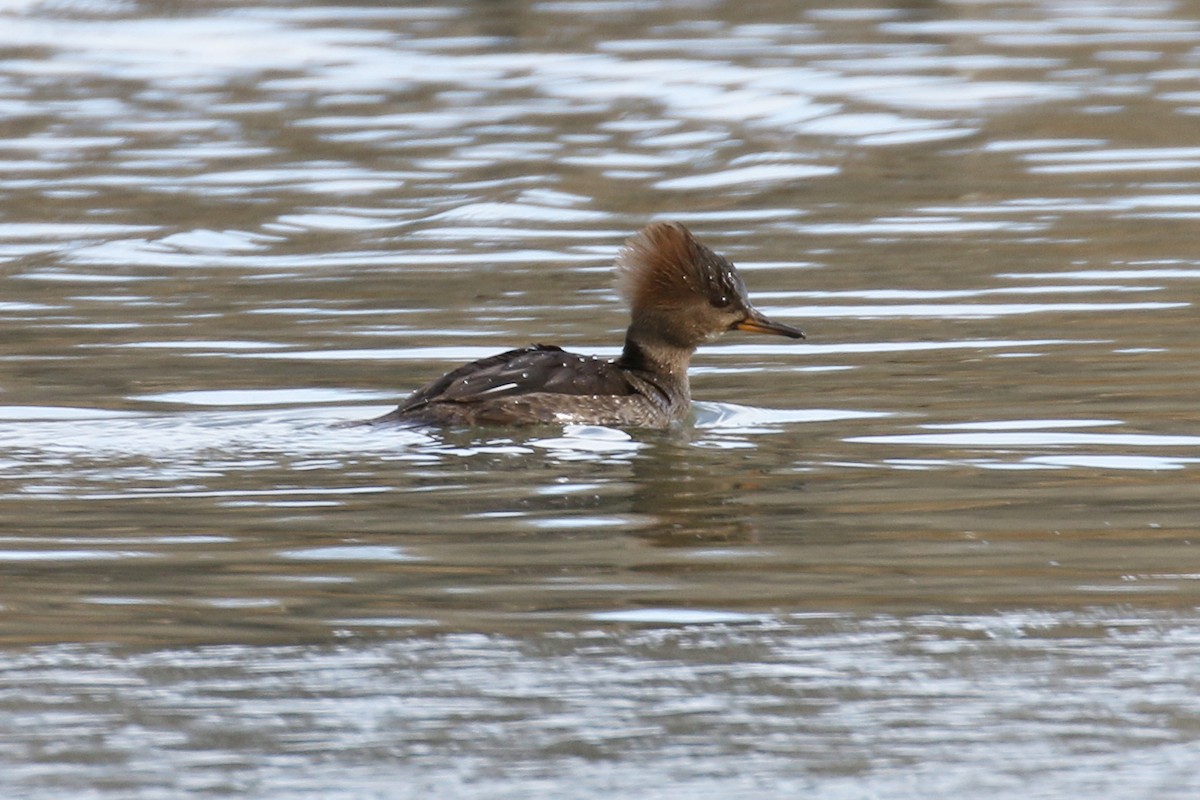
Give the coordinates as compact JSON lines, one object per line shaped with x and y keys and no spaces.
{"x":535,"y":369}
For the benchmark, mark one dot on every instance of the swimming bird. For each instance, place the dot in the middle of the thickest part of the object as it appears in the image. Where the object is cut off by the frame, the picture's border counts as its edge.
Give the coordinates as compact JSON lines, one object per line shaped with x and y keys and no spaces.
{"x":680,"y":294}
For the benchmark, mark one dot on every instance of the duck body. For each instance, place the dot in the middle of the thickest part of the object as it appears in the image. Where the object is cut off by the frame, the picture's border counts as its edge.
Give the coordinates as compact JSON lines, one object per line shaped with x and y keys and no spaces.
{"x":545,"y":384}
{"x":681,"y":294}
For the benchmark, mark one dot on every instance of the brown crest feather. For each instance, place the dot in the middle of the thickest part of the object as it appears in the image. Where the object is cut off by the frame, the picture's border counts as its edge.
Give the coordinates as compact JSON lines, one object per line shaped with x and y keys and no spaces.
{"x":663,"y":265}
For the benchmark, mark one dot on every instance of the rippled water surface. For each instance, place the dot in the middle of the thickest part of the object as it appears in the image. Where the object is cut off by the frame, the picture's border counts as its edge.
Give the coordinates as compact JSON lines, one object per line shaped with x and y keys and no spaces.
{"x":947,"y":546}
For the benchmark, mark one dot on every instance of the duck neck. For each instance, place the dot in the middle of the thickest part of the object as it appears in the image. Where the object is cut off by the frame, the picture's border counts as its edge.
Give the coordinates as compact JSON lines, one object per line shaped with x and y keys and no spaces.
{"x":662,"y":363}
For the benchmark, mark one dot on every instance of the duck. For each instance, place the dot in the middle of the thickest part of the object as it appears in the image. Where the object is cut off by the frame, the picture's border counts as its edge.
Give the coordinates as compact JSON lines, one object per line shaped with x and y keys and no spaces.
{"x":680,"y":293}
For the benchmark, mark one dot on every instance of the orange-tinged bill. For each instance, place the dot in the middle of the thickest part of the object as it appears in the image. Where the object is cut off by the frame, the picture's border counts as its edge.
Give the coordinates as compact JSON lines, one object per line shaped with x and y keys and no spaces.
{"x":757,"y":323}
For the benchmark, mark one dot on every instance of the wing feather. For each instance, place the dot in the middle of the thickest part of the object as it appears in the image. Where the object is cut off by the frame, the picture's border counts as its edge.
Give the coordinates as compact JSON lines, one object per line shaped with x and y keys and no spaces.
{"x":538,"y":368}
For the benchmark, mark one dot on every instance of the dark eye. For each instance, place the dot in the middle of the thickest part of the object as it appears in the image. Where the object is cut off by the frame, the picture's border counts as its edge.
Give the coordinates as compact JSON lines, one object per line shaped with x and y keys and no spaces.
{"x":720,"y":301}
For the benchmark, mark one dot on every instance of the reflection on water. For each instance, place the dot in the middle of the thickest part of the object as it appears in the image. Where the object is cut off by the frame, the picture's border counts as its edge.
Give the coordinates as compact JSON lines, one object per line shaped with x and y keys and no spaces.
{"x":946,"y":545}
{"x":855,"y":707}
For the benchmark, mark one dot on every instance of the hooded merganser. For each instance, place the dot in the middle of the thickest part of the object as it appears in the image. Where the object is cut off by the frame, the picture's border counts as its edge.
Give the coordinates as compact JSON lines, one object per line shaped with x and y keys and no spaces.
{"x":680,"y":294}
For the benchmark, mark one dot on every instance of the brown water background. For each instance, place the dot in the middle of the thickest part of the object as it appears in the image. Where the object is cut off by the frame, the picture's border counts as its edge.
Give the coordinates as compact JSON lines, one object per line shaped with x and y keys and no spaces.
{"x":947,"y":546}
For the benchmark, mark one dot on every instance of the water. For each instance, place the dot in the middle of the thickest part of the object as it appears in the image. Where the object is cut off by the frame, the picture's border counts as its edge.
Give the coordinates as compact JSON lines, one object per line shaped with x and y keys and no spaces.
{"x":946,"y":546}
